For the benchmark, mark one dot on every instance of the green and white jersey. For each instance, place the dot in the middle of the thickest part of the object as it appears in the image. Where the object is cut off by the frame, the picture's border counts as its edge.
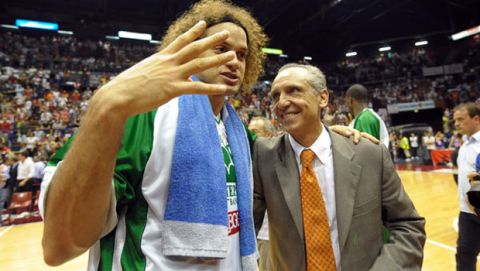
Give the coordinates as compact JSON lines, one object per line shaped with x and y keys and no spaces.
{"x":370,"y":122}
{"x":132,"y":237}
{"x":233,"y":219}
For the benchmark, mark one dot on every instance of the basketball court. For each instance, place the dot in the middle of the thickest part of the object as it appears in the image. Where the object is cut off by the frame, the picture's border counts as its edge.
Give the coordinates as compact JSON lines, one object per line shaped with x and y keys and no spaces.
{"x":433,"y":192}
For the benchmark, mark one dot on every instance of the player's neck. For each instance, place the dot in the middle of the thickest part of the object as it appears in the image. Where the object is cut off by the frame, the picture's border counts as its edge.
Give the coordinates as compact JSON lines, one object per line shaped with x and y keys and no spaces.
{"x":358,"y":109}
{"x":217,"y":102}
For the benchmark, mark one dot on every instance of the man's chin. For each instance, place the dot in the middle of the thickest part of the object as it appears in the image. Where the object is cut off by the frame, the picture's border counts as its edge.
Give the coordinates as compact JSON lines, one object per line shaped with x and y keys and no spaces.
{"x":232,"y":90}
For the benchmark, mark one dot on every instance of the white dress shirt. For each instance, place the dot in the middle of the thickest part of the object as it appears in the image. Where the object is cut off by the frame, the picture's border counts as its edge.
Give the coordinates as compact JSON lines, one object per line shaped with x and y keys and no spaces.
{"x":26,"y":169}
{"x":467,"y":156}
{"x":323,"y":167}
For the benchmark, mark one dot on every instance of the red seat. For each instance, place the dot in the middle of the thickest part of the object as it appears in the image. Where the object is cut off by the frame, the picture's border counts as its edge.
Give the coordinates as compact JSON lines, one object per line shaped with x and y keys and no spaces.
{"x":20,"y":207}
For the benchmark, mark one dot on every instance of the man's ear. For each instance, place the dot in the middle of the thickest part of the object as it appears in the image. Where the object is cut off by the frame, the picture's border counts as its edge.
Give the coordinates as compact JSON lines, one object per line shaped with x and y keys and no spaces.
{"x":322,"y":98}
{"x":477,"y":119}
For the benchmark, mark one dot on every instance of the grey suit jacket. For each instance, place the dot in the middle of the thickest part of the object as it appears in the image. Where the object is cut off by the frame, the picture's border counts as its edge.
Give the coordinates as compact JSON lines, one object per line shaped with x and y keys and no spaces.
{"x":368,"y":194}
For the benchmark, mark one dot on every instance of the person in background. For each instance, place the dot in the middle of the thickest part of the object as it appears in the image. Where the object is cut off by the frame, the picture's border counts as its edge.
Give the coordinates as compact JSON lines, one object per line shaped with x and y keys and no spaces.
{"x":365,"y":119}
{"x":393,"y":148}
{"x":439,"y":140}
{"x":414,"y":145}
{"x":405,"y":147}
{"x":467,"y":121}
{"x":26,"y":170}
{"x":428,"y":144}
{"x":4,"y":186}
{"x":39,"y":166}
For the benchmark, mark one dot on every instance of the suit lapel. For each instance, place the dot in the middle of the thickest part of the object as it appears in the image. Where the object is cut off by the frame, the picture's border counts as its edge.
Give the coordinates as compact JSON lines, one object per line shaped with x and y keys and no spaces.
{"x":347,"y":175}
{"x":288,"y":176}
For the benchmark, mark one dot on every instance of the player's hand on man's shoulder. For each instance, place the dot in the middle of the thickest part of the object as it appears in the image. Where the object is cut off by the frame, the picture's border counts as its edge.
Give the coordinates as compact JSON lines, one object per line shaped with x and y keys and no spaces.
{"x":350,"y":132}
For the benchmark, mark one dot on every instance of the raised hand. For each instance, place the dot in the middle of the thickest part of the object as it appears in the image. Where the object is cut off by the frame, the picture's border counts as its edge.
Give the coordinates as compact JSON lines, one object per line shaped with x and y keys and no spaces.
{"x":165,"y":75}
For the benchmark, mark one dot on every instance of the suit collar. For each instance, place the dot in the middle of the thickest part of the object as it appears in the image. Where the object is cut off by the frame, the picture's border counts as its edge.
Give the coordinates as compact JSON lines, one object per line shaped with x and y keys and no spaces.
{"x":288,"y":176}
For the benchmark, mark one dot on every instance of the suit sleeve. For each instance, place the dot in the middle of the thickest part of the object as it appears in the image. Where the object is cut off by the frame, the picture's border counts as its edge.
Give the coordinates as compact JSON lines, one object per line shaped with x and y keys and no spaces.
{"x":259,"y":205}
{"x":404,"y":251}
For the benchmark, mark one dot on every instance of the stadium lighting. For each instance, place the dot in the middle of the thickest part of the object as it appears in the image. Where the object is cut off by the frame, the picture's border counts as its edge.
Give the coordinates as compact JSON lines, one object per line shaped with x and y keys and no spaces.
{"x":9,"y":26}
{"x":156,"y":42}
{"x":272,"y":51}
{"x":134,"y":35}
{"x":386,"y":48}
{"x":307,"y":58}
{"x":112,"y":37}
{"x":36,"y":24}
{"x":466,"y":33}
{"x":65,"y":32}
{"x":350,"y":54}
{"x":421,"y":43}
{"x":283,"y":56}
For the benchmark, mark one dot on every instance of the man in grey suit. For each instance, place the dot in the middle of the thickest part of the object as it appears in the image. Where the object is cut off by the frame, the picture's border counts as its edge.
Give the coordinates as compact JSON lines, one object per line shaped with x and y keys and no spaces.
{"x":360,"y":189}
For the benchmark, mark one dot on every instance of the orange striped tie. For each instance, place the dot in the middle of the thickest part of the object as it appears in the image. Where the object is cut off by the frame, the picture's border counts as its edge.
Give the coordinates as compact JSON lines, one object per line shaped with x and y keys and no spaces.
{"x":320,"y":255}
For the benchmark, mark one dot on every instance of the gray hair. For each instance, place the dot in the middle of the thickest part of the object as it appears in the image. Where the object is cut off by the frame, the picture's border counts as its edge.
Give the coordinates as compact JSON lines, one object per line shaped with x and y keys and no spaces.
{"x":317,"y":77}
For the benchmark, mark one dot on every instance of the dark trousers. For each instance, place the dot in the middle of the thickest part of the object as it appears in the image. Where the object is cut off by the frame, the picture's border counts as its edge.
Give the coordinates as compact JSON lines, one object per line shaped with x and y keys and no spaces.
{"x":468,"y":243}
{"x":27,"y":187}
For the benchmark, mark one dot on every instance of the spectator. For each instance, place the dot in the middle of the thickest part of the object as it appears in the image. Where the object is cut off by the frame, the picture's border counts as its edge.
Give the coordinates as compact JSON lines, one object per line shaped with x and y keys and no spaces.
{"x":405,"y":146}
{"x":26,"y":171}
{"x":365,"y":119}
{"x":414,"y":145}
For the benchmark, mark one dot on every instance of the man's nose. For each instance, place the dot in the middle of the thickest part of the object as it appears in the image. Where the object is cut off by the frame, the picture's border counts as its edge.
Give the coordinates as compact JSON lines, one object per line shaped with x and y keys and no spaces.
{"x":283,"y":101}
{"x":234,"y":63}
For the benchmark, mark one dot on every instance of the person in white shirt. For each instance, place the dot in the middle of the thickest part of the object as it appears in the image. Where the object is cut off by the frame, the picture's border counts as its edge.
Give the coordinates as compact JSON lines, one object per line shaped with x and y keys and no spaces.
{"x":26,"y":170}
{"x":414,"y":145}
{"x":467,"y":121}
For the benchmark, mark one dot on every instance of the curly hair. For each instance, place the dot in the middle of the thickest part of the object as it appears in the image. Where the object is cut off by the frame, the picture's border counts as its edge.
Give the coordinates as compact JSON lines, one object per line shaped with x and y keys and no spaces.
{"x":218,"y":11}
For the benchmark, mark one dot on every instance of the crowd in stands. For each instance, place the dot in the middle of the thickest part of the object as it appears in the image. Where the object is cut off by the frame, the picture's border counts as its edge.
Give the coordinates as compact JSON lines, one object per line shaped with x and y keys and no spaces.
{"x":47,"y":81}
{"x":60,"y":53}
{"x":392,"y":78}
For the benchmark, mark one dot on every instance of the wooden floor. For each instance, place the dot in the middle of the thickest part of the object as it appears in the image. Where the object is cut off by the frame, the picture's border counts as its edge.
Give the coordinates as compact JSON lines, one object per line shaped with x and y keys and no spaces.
{"x":434,"y":195}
